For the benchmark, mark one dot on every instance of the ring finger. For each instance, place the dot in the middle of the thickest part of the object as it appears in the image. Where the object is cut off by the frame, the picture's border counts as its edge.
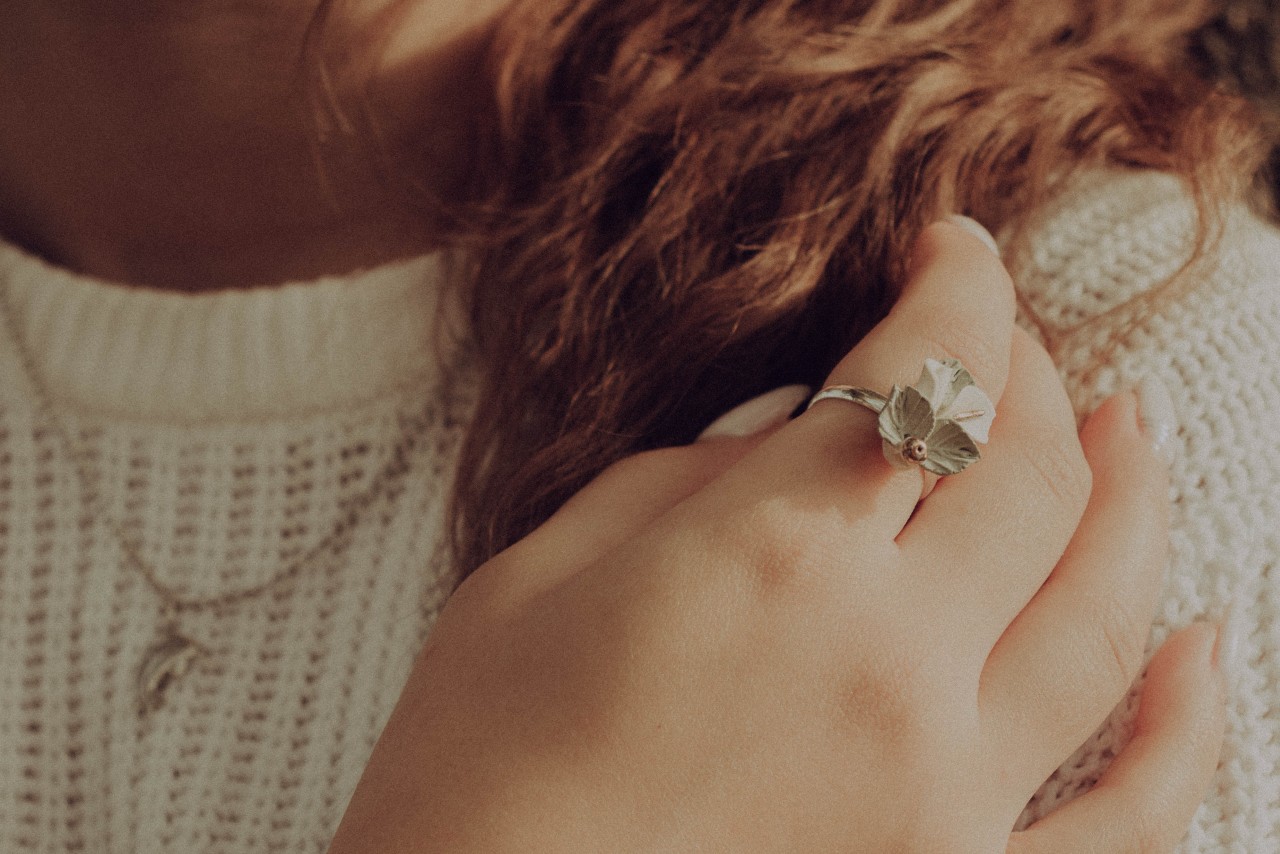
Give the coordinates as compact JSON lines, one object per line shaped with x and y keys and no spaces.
{"x":958,"y":303}
{"x":989,"y":539}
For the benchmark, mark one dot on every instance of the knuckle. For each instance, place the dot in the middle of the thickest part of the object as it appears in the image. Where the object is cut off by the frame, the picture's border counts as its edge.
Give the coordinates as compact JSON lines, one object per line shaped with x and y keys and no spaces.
{"x":1060,"y":468}
{"x":775,"y":534}
{"x":970,"y":340}
{"x":885,"y":696}
{"x":1118,"y":646}
{"x":786,"y":547}
{"x":905,"y":698}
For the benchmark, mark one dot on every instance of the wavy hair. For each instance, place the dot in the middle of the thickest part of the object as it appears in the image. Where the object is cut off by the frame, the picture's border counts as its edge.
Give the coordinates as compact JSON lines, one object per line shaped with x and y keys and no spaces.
{"x":685,"y":204}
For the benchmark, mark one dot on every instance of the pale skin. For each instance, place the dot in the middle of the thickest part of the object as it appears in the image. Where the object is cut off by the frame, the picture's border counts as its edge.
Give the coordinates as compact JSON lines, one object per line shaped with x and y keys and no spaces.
{"x":751,"y":644}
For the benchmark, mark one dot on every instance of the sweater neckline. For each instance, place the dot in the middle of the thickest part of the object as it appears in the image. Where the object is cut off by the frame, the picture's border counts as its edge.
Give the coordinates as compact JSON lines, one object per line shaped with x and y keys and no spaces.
{"x":301,"y":347}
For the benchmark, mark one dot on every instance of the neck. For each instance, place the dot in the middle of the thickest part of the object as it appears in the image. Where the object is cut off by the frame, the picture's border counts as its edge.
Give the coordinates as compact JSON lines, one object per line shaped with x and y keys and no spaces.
{"x":173,"y":145}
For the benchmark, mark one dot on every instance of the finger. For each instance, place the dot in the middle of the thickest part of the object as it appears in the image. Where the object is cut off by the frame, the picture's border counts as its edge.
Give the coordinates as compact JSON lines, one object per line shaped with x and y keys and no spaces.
{"x":985,"y":541}
{"x":629,"y":495}
{"x":958,"y":302}
{"x":1146,"y":799}
{"x":1072,"y":653}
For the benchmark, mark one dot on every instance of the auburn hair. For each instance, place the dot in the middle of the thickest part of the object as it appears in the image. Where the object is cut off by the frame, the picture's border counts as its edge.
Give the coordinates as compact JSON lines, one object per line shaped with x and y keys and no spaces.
{"x":684,"y":204}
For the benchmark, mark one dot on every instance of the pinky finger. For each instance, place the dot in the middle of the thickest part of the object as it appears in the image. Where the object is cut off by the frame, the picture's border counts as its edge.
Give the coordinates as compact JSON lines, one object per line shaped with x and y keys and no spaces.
{"x":1145,"y":801}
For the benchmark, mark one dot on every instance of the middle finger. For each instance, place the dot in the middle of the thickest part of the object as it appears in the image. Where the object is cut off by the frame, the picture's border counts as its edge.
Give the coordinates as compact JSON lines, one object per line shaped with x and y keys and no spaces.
{"x":987,"y":541}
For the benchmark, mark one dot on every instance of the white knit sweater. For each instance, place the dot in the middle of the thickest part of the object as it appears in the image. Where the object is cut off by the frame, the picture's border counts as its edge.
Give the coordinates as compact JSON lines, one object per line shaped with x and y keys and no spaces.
{"x":306,"y":430}
{"x":230,"y":436}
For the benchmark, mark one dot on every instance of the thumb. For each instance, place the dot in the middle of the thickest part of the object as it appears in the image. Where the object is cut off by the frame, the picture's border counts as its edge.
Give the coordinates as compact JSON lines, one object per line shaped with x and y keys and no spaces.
{"x":629,"y":495}
{"x":1145,"y":800}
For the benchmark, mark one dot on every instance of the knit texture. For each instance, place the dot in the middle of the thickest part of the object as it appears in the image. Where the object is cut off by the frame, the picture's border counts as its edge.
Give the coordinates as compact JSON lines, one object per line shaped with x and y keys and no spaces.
{"x":1092,"y":277}
{"x":230,"y":436}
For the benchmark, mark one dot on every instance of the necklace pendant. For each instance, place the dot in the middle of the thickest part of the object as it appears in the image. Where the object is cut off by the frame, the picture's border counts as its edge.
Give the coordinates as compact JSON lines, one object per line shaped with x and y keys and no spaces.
{"x":166,"y":662}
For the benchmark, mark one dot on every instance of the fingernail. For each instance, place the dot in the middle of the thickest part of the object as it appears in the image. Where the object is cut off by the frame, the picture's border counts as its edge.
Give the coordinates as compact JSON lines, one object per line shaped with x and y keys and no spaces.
{"x":975,"y":228}
{"x":1228,"y":653}
{"x":758,"y":413}
{"x":1157,"y":417}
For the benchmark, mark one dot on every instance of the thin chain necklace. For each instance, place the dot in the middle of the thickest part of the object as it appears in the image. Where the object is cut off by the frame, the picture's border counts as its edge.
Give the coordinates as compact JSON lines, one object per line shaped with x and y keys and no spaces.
{"x":174,"y":653}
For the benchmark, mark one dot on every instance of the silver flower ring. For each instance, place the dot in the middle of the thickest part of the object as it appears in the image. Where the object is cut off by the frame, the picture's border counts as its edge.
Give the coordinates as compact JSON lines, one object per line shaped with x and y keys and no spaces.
{"x":936,"y":424}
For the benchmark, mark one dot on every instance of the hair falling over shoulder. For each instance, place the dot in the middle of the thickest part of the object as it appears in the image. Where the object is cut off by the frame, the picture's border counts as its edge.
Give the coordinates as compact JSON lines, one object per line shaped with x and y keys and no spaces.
{"x":690,"y":203}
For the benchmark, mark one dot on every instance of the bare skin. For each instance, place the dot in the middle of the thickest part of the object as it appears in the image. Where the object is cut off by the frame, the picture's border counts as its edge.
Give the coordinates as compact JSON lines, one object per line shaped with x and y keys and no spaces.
{"x":171,"y":144}
{"x":771,"y":643}
{"x":167,"y":143}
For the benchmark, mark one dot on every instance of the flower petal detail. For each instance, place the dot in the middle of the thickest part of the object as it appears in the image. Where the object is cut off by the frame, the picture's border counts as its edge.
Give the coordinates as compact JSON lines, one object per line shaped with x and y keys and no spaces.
{"x":906,"y":414}
{"x":947,"y":411}
{"x":972,"y":399}
{"x":942,"y":380}
{"x":963,"y":379}
{"x":938,"y":382}
{"x":951,"y":450}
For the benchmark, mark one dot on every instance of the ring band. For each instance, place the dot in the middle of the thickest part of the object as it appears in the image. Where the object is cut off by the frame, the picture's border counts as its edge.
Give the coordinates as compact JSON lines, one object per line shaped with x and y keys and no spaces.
{"x":861,"y":396}
{"x":936,"y":424}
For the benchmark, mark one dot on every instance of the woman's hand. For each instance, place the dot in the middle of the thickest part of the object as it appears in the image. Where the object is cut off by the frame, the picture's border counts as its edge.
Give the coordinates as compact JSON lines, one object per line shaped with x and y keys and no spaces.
{"x":772,"y":644}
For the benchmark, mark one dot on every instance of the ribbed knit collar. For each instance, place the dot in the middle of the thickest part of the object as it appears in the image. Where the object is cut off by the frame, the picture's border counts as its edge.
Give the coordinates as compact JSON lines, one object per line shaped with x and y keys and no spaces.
{"x":223,"y":356}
